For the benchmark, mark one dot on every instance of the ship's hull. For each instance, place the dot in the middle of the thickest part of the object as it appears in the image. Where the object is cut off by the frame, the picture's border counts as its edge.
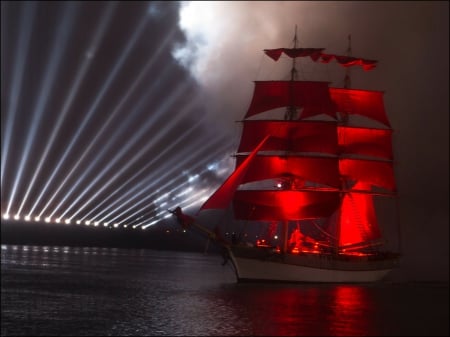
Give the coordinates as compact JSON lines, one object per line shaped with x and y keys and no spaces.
{"x":259,"y":264}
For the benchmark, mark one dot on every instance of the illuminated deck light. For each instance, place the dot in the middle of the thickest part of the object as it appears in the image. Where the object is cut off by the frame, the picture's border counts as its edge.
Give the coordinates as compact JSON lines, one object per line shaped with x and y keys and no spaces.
{"x":16,"y":217}
{"x":58,"y":220}
{"x":27,"y":218}
{"x":6,"y":216}
{"x":37,"y":218}
{"x":67,"y":221}
{"x":48,"y":219}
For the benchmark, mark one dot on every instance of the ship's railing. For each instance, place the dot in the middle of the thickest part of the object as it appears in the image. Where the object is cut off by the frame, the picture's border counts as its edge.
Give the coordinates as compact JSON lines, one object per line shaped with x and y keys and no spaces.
{"x":323,"y":261}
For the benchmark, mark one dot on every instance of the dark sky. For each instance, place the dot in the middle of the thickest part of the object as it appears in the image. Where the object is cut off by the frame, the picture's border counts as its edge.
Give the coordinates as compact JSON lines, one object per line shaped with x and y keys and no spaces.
{"x":112,"y":109}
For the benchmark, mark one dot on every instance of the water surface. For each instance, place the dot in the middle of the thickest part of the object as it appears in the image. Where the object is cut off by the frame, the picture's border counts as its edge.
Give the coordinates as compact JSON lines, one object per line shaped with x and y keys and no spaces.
{"x":82,"y":291}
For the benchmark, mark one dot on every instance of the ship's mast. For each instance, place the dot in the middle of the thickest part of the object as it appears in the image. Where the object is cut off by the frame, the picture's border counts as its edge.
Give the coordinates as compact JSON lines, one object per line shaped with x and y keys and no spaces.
{"x":291,"y":110}
{"x":344,"y":121}
{"x":290,"y":114}
{"x":294,"y":70}
{"x":347,"y":79}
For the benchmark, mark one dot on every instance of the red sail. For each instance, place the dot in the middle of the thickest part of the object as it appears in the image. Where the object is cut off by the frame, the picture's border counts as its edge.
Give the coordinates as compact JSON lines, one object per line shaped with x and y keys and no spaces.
{"x":284,"y":205}
{"x":295,"y":136}
{"x":370,"y":172}
{"x":320,"y":170}
{"x":360,"y":102}
{"x":365,"y":141}
{"x":222,"y":196}
{"x":314,"y":136}
{"x":348,"y":61}
{"x":275,"y":54}
{"x":358,"y":222}
{"x":314,"y":97}
{"x":317,"y":55}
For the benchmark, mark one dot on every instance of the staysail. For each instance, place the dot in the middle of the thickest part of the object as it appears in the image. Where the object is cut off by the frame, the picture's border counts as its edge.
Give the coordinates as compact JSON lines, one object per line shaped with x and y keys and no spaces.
{"x":222,"y":196}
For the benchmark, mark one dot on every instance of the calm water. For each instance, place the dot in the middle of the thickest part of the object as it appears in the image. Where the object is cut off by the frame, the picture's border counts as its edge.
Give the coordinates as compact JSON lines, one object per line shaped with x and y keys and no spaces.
{"x":114,"y":292}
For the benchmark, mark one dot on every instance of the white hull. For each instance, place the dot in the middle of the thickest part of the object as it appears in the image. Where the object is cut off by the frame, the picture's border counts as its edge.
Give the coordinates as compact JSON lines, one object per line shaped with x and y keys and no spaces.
{"x":307,"y":268}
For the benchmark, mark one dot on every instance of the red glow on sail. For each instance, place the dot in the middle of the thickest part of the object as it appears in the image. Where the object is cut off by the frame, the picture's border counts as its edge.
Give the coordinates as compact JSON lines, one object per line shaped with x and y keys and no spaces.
{"x":365,"y":141}
{"x":358,"y":221}
{"x":360,"y":102}
{"x":295,"y":136}
{"x":370,"y":172}
{"x":284,"y":205}
{"x":314,"y":97}
{"x":315,"y":169}
{"x":222,"y":196}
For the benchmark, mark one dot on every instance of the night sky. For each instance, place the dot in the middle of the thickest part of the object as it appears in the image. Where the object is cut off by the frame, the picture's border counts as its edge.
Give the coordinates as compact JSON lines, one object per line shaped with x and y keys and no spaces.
{"x":113,"y":112}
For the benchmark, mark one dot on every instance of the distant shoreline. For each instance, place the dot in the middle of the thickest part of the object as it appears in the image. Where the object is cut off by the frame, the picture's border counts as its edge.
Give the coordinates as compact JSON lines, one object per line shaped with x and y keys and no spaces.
{"x":162,"y":237}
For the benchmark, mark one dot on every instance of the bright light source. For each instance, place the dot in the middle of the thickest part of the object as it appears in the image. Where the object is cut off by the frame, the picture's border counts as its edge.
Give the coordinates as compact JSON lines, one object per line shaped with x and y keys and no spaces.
{"x":16,"y":217}
{"x":37,"y":218}
{"x":192,"y":178}
{"x":53,"y":199}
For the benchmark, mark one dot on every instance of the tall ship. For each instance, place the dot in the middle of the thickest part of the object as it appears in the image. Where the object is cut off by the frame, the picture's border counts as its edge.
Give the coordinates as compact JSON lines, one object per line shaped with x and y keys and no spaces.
{"x":308,"y":186}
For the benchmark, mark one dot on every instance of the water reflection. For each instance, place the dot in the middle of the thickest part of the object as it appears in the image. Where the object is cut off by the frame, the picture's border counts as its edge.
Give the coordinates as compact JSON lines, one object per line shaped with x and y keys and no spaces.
{"x":306,"y":310}
{"x":351,"y":311}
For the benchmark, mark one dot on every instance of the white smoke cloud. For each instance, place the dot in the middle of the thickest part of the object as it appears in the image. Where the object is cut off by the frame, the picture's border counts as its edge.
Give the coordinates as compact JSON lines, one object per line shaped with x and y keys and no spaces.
{"x":225,"y":41}
{"x":223,"y":49}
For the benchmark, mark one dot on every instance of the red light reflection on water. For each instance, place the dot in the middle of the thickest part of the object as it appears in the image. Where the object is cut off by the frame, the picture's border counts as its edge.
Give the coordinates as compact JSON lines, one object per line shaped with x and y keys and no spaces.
{"x":351,"y":313}
{"x":342,"y":310}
